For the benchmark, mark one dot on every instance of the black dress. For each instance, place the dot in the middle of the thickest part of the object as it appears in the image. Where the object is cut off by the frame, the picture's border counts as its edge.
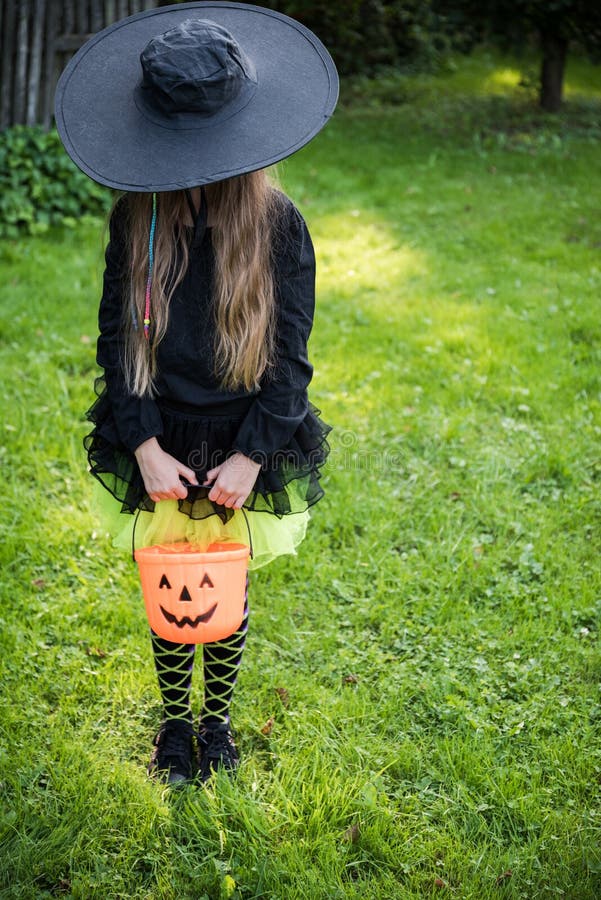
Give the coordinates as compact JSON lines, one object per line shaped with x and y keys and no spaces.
{"x":192,"y":418}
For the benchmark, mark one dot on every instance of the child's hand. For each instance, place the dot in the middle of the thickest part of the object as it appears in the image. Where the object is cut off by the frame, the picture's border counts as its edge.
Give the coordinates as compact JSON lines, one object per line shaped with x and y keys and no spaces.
{"x":235,"y":480}
{"x":162,"y":472}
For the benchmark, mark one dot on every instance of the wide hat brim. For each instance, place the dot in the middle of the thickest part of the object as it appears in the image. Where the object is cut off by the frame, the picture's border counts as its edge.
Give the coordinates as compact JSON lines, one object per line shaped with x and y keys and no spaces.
{"x":117,"y":143}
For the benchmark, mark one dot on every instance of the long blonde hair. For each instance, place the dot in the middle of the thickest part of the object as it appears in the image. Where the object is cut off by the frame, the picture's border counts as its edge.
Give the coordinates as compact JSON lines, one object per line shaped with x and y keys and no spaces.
{"x":244,"y":212}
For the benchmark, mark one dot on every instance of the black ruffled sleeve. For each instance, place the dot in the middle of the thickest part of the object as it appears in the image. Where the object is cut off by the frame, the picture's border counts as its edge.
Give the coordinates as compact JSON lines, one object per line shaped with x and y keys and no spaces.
{"x":136,"y":418}
{"x":282,"y":403}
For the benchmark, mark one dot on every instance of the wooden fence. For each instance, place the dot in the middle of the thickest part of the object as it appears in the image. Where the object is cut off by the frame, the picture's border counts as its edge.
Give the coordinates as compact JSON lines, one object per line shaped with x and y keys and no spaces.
{"x":37,"y":38}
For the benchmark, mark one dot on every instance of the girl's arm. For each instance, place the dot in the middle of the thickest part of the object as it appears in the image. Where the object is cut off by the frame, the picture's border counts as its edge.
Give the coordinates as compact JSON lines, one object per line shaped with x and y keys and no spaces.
{"x":282,"y":403}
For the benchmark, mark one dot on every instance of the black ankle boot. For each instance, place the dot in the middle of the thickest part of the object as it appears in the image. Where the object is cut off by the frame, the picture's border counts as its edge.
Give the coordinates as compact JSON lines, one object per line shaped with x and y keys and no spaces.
{"x":172,"y":758}
{"x":216,"y":749}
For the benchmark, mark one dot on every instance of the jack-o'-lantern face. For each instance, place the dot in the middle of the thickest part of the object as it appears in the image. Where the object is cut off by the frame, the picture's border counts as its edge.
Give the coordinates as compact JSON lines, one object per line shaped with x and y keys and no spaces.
{"x":171,"y":613}
{"x":191,"y":595}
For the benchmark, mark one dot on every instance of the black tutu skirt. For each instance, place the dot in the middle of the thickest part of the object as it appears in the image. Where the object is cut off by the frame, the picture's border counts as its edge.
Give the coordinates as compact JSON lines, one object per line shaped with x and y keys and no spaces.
{"x":287,"y":484}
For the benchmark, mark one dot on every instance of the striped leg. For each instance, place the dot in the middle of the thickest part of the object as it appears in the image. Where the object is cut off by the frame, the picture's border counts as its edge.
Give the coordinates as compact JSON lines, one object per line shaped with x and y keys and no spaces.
{"x":221,"y":662}
{"x":174,"y":664}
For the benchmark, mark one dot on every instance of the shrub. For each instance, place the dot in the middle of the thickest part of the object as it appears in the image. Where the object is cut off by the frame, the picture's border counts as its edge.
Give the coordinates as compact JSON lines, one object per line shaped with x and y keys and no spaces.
{"x":40,"y":186}
{"x":366,"y":35}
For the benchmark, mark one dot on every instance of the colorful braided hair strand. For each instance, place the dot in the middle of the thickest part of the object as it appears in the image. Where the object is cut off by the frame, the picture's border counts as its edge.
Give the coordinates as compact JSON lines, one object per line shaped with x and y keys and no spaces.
{"x":153,"y":225}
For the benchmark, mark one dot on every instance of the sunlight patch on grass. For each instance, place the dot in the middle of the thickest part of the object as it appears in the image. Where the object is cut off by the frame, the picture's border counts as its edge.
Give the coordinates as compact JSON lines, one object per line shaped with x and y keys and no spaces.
{"x":360,"y":256}
{"x":492,"y":72}
{"x":502,"y":80}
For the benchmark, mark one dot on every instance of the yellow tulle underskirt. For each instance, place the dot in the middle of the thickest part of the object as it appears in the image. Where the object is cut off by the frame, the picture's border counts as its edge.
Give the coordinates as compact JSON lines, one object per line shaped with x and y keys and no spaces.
{"x":271,"y":536}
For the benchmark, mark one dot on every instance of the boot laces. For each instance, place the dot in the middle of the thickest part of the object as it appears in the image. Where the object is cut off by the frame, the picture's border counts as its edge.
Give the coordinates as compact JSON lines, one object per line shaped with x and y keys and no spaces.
{"x":173,"y":743}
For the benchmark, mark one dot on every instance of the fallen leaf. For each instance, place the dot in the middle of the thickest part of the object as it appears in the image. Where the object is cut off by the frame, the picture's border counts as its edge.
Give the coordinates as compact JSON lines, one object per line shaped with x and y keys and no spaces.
{"x":283,"y":695}
{"x":352,"y":834}
{"x":505,"y":876}
{"x":228,"y":886}
{"x":268,"y":726}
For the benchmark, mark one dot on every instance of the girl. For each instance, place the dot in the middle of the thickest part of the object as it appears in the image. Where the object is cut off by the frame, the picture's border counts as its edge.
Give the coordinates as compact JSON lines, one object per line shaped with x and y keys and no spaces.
{"x":202,"y":425}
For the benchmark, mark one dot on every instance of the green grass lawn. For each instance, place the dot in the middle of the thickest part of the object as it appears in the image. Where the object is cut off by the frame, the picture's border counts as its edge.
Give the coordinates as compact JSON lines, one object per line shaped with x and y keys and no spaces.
{"x":430,"y":659}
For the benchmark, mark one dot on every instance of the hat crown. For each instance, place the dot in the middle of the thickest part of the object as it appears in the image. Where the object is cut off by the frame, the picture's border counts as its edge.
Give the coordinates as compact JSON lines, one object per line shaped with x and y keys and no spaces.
{"x":197,"y":67}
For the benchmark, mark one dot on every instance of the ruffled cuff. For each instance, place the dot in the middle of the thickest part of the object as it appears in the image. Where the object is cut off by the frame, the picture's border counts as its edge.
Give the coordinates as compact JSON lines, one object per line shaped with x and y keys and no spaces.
{"x":266,"y":430}
{"x":136,"y":418}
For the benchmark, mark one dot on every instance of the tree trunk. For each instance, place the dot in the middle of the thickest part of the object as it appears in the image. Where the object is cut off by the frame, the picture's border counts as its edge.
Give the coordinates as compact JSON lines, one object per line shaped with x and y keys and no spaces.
{"x":555,"y":50}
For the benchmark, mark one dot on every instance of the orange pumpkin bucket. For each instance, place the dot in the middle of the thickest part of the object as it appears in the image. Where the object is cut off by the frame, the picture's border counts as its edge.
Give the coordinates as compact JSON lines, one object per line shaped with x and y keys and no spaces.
{"x":194,"y":596}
